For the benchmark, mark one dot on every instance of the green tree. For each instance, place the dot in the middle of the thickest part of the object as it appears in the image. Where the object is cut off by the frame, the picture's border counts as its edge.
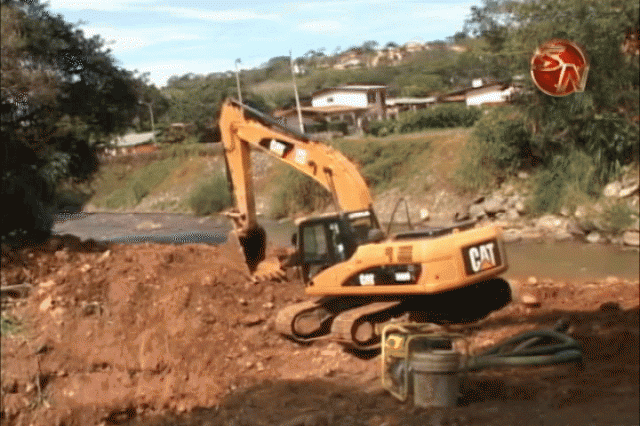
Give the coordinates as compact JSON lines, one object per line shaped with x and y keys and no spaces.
{"x":150,"y":96}
{"x":61,"y":95}
{"x":197,"y":99}
{"x":369,"y":46}
{"x":601,"y":121}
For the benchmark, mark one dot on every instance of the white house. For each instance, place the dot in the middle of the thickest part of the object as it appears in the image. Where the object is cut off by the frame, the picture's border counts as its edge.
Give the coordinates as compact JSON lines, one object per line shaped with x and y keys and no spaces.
{"x":372,"y":97}
{"x":354,"y":104}
{"x":398,"y":105}
{"x":490,"y":94}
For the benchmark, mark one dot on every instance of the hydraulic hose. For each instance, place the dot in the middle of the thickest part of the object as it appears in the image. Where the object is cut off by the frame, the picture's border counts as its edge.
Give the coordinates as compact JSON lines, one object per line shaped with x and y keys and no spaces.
{"x":535,"y":348}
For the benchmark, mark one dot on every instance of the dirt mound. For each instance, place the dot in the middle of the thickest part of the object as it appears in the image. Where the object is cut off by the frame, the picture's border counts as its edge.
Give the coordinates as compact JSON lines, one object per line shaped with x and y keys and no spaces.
{"x":159,"y":334}
{"x":151,"y":326}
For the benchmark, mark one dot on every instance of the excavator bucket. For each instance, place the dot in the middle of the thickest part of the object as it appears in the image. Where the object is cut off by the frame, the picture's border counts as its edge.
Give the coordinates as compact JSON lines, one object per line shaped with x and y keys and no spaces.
{"x":248,"y":252}
{"x":233,"y":251}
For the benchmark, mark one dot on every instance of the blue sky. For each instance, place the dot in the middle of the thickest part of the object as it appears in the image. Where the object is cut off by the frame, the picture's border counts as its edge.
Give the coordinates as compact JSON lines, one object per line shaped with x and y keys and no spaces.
{"x":173,"y":37}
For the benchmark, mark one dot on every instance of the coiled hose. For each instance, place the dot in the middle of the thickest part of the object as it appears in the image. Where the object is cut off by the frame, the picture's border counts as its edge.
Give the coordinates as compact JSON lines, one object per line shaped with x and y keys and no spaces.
{"x":534,"y":348}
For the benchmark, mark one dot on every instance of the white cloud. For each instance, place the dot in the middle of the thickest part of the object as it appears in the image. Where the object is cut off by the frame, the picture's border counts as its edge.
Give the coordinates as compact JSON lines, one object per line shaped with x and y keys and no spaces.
{"x":217,"y":15}
{"x":126,"y":39}
{"x":320,"y":26}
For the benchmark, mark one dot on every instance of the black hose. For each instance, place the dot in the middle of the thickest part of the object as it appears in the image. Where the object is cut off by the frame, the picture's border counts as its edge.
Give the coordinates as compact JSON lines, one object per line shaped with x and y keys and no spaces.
{"x":540,"y":347}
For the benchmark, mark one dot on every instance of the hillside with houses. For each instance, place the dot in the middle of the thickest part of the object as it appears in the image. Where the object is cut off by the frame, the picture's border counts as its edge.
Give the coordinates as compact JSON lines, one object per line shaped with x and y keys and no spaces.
{"x":452,"y":125}
{"x":339,"y":94}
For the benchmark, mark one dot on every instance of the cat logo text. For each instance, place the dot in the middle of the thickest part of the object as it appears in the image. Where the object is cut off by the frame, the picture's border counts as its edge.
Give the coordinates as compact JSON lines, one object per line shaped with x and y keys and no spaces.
{"x":481,"y":257}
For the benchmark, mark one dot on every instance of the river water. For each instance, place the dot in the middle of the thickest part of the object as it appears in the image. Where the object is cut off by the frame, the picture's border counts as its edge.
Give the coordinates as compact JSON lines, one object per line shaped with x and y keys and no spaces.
{"x":555,"y":260}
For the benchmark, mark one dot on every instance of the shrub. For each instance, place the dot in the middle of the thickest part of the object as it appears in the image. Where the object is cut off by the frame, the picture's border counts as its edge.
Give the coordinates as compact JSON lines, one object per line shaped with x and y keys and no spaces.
{"x":69,"y":197}
{"x":441,"y":116}
{"x":332,"y":126}
{"x":211,"y":197}
{"x":618,"y":216}
{"x":315,"y":127}
{"x":381,"y":127}
{"x":499,"y":145}
{"x":338,"y":126}
{"x":297,"y":192}
{"x":567,"y":181}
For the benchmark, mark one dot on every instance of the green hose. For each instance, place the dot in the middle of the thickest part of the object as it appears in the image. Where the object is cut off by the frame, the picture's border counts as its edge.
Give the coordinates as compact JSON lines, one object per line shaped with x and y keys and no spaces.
{"x":535,"y":348}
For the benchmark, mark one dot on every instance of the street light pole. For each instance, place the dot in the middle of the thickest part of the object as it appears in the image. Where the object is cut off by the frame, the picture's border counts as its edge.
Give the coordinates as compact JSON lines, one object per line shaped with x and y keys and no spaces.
{"x":153,"y":129}
{"x":238,"y":80}
{"x":295,"y":91}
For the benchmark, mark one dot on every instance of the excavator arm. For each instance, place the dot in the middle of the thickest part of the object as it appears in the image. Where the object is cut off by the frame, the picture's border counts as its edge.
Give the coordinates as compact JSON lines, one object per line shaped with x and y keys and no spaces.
{"x":243,"y":128}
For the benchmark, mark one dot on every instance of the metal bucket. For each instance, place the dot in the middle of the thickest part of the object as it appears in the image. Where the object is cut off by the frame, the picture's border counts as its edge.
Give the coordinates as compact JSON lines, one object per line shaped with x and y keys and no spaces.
{"x":435,"y":378}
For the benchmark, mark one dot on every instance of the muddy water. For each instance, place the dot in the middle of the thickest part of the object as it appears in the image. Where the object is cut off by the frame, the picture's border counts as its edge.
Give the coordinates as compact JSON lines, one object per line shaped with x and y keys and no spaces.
{"x":557,"y":260}
{"x":571,"y":260}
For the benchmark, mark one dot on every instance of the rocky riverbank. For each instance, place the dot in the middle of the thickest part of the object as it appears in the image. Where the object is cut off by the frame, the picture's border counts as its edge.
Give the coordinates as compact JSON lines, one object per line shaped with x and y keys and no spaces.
{"x":613,"y":218}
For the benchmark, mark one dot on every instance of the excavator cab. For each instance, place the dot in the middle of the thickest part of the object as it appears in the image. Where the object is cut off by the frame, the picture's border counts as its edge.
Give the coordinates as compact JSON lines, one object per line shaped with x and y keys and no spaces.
{"x":329,"y":239}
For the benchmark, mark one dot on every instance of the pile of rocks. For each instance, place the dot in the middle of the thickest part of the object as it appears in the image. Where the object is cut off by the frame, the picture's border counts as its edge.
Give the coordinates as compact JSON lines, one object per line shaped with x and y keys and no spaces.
{"x":509,"y":209}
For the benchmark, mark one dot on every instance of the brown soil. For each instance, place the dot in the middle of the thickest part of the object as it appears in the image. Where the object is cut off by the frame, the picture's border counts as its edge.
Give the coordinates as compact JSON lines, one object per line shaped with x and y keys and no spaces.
{"x":177,"y":335}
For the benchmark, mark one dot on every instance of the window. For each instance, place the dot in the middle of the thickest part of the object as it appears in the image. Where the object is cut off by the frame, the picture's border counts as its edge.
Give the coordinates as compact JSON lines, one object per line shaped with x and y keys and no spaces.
{"x":315,"y":244}
{"x":371,"y":97}
{"x":330,"y":99}
{"x":336,"y":241}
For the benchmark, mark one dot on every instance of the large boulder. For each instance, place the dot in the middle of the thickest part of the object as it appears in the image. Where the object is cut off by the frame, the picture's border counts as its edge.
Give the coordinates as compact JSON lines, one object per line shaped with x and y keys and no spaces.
{"x":476,"y":211}
{"x":550,"y":222}
{"x":493,"y":205}
{"x":594,"y":237}
{"x":629,"y":190}
{"x":612,"y":189}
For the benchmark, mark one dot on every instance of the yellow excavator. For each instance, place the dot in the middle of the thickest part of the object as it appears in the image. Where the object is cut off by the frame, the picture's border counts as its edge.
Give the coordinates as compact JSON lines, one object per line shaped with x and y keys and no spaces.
{"x":359,"y":277}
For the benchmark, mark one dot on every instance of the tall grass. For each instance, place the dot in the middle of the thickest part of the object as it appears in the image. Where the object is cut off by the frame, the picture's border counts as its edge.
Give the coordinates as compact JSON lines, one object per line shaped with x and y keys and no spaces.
{"x":211,"y":197}
{"x":385,"y":163}
{"x":441,"y":116}
{"x":139,"y":184}
{"x":566,"y":182}
{"x":499,"y":145}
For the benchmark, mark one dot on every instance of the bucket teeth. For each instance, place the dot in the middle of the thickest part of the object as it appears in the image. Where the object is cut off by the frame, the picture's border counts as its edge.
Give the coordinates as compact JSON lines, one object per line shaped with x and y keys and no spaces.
{"x":268,"y":270}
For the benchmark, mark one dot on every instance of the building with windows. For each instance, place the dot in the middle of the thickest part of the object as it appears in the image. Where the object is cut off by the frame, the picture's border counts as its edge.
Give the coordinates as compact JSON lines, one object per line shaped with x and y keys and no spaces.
{"x":370,"y":98}
{"x":353,"y":104}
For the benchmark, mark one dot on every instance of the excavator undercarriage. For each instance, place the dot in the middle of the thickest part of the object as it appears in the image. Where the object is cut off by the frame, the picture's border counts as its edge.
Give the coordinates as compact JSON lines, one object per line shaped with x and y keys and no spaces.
{"x":357,"y":322}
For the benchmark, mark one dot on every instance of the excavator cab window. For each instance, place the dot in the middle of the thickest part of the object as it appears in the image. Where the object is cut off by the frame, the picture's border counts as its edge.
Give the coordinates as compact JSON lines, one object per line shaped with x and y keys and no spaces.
{"x":325,"y":242}
{"x":315,"y":249}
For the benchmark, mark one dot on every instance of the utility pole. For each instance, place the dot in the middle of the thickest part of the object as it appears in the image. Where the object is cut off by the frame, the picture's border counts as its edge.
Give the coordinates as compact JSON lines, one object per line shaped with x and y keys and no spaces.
{"x":295,"y":90}
{"x":238,"y":80}
{"x":153,"y":129}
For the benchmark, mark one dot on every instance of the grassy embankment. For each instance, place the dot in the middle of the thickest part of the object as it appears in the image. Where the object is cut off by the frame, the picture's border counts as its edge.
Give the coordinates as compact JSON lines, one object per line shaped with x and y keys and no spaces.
{"x":179,"y":178}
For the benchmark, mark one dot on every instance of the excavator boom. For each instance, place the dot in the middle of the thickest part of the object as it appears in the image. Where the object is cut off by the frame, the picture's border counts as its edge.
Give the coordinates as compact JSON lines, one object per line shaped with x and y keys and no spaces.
{"x":243,"y":128}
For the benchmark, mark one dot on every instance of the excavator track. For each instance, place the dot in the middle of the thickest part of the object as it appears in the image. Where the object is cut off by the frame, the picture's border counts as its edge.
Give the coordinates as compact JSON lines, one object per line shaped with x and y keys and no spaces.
{"x":352,"y":324}
{"x":301,"y":321}
{"x":357,"y":327}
